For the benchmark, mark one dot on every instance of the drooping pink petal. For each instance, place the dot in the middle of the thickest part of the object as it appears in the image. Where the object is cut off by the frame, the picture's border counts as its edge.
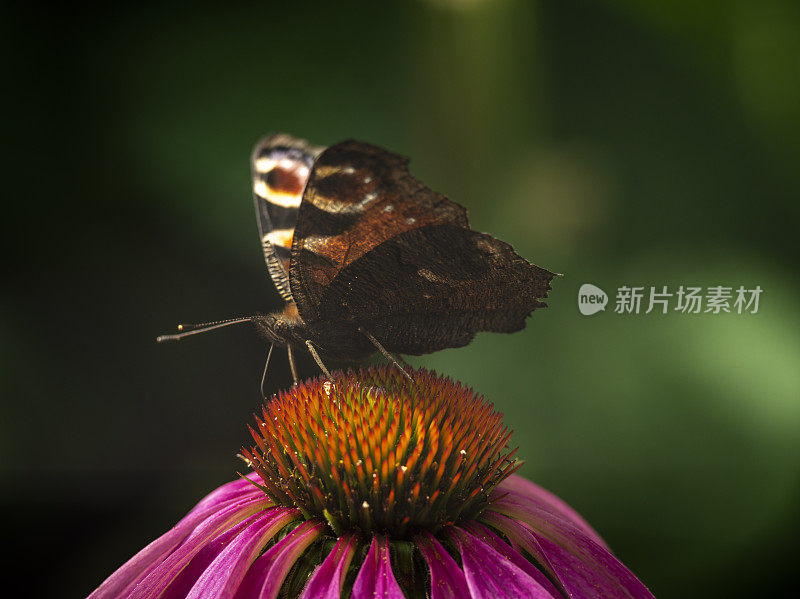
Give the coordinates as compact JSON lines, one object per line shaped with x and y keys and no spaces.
{"x":239,"y":488}
{"x":185,"y":580}
{"x":582,"y":568}
{"x":223,"y":517}
{"x":491,"y":576}
{"x":536,"y":499}
{"x":554,"y":526}
{"x":539,"y":519}
{"x":266,"y":575}
{"x":145,"y":561}
{"x":376,"y":580}
{"x":224,"y":575}
{"x":509,"y":553}
{"x":327,"y":580}
{"x":447,"y":579}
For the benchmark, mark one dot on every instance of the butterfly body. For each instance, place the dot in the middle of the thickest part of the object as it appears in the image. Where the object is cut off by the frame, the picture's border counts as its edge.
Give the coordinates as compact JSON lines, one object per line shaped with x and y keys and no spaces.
{"x":337,"y":340}
{"x":362,"y":252}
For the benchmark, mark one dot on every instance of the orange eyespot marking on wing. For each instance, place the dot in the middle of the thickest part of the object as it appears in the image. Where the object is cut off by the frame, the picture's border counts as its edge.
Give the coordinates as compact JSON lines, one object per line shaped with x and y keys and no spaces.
{"x":289,"y":178}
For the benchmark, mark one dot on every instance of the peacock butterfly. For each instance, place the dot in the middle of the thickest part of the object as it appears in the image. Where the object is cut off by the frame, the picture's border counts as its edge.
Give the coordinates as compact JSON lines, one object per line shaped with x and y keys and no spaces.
{"x":367,"y":257}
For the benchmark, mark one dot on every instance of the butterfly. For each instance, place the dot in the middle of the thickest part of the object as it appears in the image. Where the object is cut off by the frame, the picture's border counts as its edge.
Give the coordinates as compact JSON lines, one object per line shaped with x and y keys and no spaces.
{"x":368,"y":258}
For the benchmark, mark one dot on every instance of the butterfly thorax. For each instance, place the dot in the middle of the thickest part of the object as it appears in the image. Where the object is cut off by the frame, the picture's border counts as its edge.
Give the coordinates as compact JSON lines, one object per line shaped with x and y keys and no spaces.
{"x":338,"y":340}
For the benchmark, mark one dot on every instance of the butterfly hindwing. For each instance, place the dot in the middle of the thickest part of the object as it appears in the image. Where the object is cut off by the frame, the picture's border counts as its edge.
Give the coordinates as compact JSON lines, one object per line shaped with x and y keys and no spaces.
{"x":358,"y":196}
{"x":435,"y":287}
{"x":280,"y":167}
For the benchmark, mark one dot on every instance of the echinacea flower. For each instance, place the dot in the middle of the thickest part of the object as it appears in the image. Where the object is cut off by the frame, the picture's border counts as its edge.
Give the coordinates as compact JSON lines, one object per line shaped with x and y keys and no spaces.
{"x":371,"y":486}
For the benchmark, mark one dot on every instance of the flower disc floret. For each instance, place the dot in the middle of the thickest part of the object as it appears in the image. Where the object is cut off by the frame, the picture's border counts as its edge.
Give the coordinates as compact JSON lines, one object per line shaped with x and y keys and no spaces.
{"x":375,"y":452}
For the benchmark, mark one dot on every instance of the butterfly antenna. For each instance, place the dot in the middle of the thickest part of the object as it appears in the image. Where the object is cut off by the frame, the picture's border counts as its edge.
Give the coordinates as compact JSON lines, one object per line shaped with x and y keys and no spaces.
{"x":266,"y":365}
{"x":385,"y":352}
{"x":292,"y":365}
{"x":318,"y":360}
{"x":193,"y":329}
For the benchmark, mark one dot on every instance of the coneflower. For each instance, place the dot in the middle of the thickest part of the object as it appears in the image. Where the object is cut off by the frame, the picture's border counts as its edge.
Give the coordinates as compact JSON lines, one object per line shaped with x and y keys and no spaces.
{"x":371,"y":486}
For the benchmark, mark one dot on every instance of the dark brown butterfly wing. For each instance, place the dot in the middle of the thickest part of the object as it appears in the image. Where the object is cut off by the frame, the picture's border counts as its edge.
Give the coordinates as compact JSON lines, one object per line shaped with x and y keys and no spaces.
{"x":358,"y":196}
{"x":435,"y":287}
{"x":280,"y":167}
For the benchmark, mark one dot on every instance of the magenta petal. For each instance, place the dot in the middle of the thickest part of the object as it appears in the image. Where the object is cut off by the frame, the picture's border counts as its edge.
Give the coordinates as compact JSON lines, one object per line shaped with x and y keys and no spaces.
{"x":188,"y":577}
{"x":511,"y":554}
{"x":565,"y":538}
{"x":144,"y":561}
{"x":149,"y":558}
{"x":548,"y":523}
{"x":327,"y":580}
{"x":239,"y":488}
{"x":375,"y":579}
{"x":265,"y":577}
{"x":581,"y":566}
{"x":489,"y":575}
{"x":537,"y":500}
{"x":223,"y":517}
{"x":447,"y":579}
{"x":184,"y":581}
{"x":222,"y":577}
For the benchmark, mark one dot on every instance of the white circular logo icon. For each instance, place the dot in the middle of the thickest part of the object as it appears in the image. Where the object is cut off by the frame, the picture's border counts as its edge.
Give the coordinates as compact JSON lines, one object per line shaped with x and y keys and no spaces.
{"x":591,"y":299}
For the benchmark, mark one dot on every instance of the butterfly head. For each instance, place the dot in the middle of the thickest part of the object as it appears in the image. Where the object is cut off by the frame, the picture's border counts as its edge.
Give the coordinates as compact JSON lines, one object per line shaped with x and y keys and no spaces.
{"x":283,"y":328}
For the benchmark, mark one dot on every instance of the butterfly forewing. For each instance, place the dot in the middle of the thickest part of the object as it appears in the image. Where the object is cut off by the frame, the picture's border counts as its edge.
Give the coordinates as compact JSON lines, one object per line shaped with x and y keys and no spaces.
{"x":280,"y":167}
{"x":358,"y":196}
{"x":436,"y":287}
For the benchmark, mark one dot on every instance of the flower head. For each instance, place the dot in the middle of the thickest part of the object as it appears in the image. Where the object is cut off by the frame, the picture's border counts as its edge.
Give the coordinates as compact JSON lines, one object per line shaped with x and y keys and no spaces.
{"x":381,"y":455}
{"x":371,"y":486}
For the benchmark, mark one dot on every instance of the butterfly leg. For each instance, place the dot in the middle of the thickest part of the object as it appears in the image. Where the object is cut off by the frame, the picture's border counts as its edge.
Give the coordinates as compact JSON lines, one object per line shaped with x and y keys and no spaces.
{"x":292,"y":365}
{"x":317,"y":359}
{"x":264,"y":376}
{"x":385,"y":353}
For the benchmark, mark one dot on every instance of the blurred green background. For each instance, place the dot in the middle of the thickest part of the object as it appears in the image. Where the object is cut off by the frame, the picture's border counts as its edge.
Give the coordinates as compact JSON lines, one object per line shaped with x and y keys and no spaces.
{"x":618,"y":142}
